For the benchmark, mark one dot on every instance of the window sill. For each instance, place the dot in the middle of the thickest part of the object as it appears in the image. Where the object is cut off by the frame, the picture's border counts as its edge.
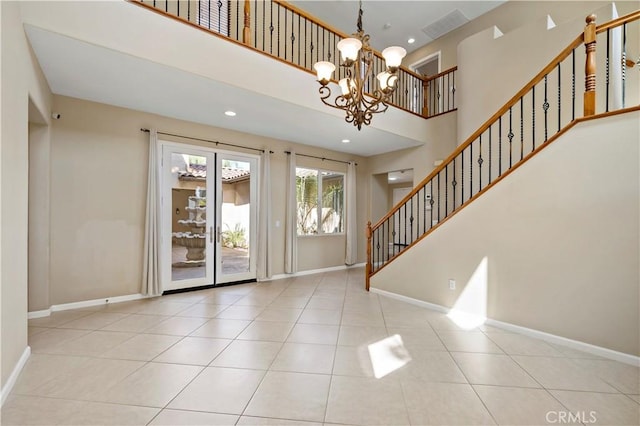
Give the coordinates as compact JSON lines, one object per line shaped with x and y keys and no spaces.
{"x":341,"y":234}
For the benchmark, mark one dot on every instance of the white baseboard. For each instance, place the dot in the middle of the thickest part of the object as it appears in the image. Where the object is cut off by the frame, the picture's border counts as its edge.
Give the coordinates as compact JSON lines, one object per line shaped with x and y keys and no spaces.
{"x":6,"y":389}
{"x":85,"y":304}
{"x":314,"y":271}
{"x":551,"y":338}
{"x":410,"y":300}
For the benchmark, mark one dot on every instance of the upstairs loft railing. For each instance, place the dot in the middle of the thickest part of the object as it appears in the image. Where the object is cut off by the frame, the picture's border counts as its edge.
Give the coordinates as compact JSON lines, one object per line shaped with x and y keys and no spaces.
{"x":548,"y":105}
{"x":291,"y":35}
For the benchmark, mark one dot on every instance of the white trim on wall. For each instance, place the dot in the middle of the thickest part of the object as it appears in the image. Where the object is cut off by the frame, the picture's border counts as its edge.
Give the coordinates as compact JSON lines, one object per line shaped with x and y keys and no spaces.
{"x":11,"y":381}
{"x":85,"y":304}
{"x":551,"y":338}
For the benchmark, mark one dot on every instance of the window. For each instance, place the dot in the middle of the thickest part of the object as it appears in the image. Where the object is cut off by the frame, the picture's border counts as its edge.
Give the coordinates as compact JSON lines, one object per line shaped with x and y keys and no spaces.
{"x":214,"y":15}
{"x":320,"y":200}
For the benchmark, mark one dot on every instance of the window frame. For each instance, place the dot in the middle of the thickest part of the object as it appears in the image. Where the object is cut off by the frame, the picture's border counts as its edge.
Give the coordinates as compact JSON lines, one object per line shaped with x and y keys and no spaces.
{"x":319,"y":206}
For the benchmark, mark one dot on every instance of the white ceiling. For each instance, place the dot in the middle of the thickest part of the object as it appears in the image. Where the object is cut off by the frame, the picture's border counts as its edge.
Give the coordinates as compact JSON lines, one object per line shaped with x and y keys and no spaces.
{"x":406,"y":18}
{"x":74,"y":67}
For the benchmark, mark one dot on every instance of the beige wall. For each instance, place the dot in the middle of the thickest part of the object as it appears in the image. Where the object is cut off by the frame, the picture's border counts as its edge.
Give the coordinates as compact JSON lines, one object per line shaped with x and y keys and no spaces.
{"x":485,"y":84}
{"x":508,"y":17}
{"x":573,"y":272}
{"x":21,"y":80}
{"x":39,"y":212}
{"x":441,"y":143}
{"x":98,"y":222}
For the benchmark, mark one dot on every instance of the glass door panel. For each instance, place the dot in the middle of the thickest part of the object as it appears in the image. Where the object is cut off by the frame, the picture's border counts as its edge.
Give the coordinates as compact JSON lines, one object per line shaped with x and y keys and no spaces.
{"x":188,"y":208}
{"x":237,"y":218}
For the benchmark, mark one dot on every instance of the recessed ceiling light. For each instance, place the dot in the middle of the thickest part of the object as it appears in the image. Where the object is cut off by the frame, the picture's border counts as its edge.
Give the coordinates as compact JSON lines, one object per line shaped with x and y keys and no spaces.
{"x":393,"y":178}
{"x":230,"y":113}
{"x":411,"y":40}
{"x":345,"y":141}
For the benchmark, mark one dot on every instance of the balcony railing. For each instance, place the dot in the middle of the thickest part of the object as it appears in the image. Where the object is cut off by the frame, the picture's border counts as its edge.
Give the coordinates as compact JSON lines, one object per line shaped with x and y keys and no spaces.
{"x":548,"y":105}
{"x":291,"y":35}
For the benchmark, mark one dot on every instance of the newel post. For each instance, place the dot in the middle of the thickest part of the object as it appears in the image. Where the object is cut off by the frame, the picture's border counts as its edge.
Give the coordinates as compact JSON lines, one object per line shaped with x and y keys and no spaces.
{"x":368,"y":267}
{"x":590,"y":66}
{"x":246,"y":32}
{"x":425,"y":101}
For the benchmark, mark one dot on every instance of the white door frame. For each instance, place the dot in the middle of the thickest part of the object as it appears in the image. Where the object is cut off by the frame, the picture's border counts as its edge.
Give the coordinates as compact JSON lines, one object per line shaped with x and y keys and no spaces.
{"x":414,"y":66}
{"x":213,"y":273}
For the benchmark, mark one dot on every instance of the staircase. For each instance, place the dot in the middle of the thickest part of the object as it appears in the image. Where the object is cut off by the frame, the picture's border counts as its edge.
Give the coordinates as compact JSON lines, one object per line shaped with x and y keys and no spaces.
{"x":544,"y":109}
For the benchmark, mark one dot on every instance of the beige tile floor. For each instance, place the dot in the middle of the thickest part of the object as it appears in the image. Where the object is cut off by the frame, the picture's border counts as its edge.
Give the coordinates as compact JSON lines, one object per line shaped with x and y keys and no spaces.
{"x":296,"y":352}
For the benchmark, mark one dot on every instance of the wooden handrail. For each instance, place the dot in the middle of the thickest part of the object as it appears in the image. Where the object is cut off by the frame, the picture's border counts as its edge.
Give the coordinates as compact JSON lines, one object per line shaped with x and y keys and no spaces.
{"x":445,"y":72}
{"x":535,"y":80}
{"x":633,"y":16}
{"x":245,"y":38}
{"x":588,"y":38}
{"x":552,"y":139}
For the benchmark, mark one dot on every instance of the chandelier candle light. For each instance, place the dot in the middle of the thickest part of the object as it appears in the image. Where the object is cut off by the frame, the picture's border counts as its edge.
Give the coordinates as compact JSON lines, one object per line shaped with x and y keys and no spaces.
{"x":357,"y":60}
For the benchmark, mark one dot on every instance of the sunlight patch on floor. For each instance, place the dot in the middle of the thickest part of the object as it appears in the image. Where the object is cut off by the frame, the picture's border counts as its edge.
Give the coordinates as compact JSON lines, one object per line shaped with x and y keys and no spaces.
{"x":388,"y":355}
{"x":470,"y":310}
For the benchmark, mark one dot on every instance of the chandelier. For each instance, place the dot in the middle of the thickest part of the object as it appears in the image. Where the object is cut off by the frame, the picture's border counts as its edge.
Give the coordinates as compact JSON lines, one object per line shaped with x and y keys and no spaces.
{"x":358,"y":63}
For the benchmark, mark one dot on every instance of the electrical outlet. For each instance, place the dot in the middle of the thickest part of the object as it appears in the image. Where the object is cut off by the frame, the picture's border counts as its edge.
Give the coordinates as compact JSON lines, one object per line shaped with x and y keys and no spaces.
{"x":452,"y":284}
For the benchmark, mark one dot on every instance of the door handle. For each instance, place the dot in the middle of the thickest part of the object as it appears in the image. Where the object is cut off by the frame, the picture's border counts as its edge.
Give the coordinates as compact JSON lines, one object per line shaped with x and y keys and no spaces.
{"x":217,"y":234}
{"x":211,"y":234}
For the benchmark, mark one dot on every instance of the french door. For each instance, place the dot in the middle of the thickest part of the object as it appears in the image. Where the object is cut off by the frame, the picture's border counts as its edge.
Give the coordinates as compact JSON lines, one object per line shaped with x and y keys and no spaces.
{"x":208,"y":217}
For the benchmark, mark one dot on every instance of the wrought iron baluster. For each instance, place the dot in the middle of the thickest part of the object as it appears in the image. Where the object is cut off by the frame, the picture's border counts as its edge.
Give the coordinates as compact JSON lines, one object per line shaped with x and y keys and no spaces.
{"x":293,"y":37}
{"x":573,"y":84}
{"x":510,"y":135}
{"x":439,"y":192}
{"x":490,"y":155}
{"x":220,"y":18}
{"x":188,"y":10}
{"x":178,"y":7}
{"x":624,"y":64}
{"x":500,"y":146}
{"x":389,"y":238}
{"x":404,"y":234}
{"x":424,"y":204}
{"x":208,"y":15}
{"x":411,"y":221}
{"x":470,"y":170}
{"x":278,"y":33}
{"x":606,"y":73}
{"x":521,"y":127}
{"x":480,"y":161}
{"x":299,"y":21}
{"x":453,"y":89}
{"x":271,"y":29}
{"x":378,"y":247}
{"x":255,"y":25}
{"x":559,"y":97}
{"x":431,"y":203}
{"x":285,"y":34}
{"x":454,"y":183}
{"x":533,"y":118}
{"x":264,"y":11}
{"x":462,"y":177}
{"x":545,"y":107}
{"x":446,"y":190}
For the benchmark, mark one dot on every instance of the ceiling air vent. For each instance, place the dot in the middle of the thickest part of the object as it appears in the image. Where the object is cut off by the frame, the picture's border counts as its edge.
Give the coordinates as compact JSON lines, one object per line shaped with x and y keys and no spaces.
{"x":447,"y":23}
